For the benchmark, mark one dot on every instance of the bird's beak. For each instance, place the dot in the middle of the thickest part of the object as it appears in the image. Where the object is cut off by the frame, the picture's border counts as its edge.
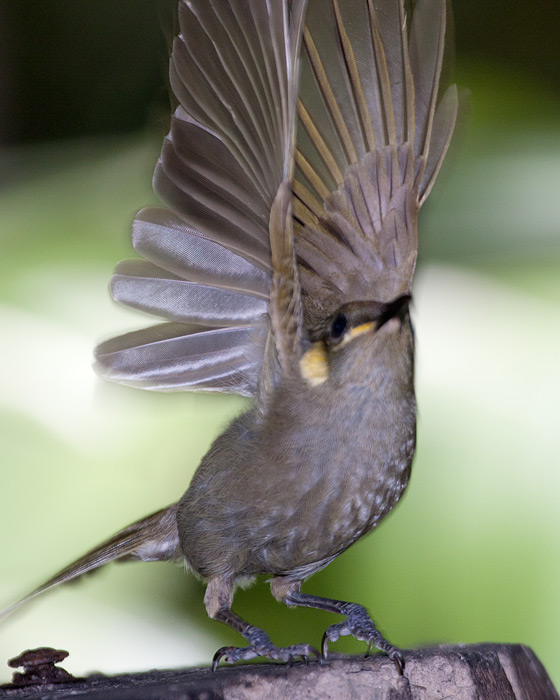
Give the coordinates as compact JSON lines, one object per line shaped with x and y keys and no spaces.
{"x":395,"y":309}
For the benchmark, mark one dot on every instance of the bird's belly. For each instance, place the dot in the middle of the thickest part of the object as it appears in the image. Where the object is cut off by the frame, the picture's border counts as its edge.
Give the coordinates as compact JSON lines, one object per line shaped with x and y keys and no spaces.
{"x":345,"y":500}
{"x":294,"y":500}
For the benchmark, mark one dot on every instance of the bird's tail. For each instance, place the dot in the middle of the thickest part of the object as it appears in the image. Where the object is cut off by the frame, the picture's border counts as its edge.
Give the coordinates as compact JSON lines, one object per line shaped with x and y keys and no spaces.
{"x":154,"y":538}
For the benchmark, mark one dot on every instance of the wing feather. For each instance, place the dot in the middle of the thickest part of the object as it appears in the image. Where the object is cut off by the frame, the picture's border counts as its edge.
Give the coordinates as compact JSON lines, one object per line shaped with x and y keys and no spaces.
{"x":229,"y":152}
{"x":178,"y":357}
{"x":444,"y":121}
{"x":373,"y":126}
{"x":144,"y":286}
{"x":164,"y":239}
{"x":373,"y":131}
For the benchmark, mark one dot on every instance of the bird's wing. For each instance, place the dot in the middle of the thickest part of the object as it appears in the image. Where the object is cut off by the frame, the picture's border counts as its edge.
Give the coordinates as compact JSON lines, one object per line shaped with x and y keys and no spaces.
{"x":373,"y":129}
{"x":224,"y":174}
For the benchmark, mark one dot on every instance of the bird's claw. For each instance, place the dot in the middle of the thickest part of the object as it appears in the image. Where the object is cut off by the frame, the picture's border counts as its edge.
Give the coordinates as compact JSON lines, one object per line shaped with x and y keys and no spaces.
{"x":231,"y":655}
{"x":262,"y":646}
{"x":359,"y":625}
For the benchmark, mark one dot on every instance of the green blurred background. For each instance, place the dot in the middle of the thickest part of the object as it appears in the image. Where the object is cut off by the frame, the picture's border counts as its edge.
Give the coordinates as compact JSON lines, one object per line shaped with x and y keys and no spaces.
{"x":473,"y":552}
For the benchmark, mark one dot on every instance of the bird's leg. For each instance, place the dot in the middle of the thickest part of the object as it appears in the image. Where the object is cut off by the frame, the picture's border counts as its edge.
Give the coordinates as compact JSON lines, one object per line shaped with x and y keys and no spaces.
{"x":357,"y":623}
{"x":218,"y":599}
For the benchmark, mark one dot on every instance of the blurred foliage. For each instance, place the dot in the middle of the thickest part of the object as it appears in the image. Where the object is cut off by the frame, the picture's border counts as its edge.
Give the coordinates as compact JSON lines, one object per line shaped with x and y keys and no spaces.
{"x":81,"y":67}
{"x":473,"y":552}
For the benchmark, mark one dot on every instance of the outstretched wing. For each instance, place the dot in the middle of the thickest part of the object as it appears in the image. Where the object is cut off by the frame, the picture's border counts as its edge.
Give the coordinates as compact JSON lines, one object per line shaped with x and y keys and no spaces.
{"x":208,"y":266}
{"x":373,"y":130}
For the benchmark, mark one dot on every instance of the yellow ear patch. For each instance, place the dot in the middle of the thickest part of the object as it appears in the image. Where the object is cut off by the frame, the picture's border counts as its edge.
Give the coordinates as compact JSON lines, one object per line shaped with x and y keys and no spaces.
{"x":314,"y":364}
{"x":364,"y":328}
{"x":355,"y":332}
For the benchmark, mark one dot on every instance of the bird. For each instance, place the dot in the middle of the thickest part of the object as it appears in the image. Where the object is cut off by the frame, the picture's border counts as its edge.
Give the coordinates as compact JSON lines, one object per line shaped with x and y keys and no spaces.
{"x":306,"y":137}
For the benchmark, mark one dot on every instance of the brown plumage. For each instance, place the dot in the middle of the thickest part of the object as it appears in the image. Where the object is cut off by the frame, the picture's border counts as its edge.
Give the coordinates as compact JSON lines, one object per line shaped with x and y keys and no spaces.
{"x":306,"y":139}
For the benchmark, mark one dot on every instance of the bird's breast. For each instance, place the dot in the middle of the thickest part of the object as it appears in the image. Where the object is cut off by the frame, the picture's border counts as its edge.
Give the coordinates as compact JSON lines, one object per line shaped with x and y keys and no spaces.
{"x":344,"y":460}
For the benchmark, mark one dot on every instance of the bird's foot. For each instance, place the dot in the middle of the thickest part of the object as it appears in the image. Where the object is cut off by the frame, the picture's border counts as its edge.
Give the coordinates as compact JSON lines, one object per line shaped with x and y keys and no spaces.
{"x":260,"y":645}
{"x":359,"y":625}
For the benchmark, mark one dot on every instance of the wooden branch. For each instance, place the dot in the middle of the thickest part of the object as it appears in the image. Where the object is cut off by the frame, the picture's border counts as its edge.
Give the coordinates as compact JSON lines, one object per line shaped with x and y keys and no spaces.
{"x":464,"y":672}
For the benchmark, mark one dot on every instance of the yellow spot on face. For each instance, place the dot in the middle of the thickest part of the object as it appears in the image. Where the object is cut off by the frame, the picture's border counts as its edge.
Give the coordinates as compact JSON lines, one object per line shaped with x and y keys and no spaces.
{"x":355,"y":332}
{"x":314,"y":364}
{"x":360,"y":330}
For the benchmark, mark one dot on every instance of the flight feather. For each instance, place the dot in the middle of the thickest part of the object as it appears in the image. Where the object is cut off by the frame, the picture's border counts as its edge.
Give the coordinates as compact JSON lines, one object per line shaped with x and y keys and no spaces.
{"x":223,"y":173}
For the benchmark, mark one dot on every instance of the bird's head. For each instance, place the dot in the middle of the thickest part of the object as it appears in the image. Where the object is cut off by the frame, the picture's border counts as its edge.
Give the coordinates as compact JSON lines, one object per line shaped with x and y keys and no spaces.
{"x":357,"y":331}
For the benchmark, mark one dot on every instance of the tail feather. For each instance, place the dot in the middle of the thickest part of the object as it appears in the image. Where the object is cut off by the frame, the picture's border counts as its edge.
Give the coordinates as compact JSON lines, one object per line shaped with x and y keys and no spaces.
{"x":154,"y":538}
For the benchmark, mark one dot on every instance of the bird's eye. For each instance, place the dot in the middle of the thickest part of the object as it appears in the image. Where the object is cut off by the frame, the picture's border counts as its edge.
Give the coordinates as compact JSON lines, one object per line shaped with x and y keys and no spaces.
{"x":339,"y":326}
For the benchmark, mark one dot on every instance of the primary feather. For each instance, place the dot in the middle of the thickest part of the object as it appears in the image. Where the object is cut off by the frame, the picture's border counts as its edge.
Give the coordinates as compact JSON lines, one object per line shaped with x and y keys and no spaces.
{"x":226,"y":161}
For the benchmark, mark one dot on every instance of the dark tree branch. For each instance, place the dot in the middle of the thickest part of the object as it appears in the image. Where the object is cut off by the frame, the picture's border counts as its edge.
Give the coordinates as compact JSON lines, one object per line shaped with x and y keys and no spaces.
{"x":469,"y":672}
